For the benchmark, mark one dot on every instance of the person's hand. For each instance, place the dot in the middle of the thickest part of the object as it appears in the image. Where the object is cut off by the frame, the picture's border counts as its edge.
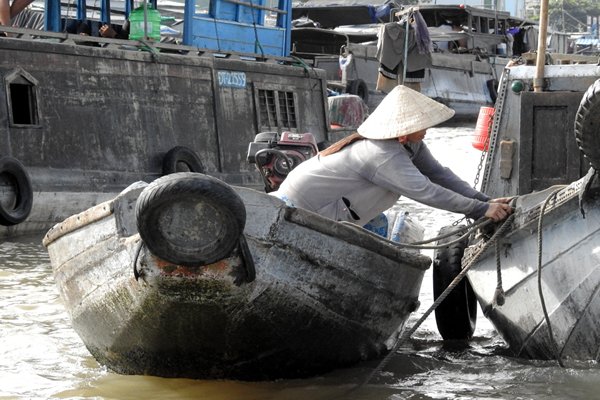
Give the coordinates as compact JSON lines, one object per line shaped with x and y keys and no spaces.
{"x":504,"y":200}
{"x":107,"y":31}
{"x":498,"y":211}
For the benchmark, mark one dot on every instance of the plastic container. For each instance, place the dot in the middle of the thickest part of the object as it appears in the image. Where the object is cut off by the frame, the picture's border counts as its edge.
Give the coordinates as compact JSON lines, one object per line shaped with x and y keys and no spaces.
{"x":501,"y":49}
{"x":136,"y":24}
{"x":483,"y":128}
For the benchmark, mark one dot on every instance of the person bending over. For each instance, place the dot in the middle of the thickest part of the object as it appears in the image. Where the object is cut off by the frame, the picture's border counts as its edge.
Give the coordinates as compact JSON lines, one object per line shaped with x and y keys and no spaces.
{"x":364,"y":174}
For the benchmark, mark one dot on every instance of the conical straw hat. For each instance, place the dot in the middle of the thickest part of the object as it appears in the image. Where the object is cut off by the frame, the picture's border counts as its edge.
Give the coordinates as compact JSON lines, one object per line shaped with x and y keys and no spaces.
{"x":402,"y":112}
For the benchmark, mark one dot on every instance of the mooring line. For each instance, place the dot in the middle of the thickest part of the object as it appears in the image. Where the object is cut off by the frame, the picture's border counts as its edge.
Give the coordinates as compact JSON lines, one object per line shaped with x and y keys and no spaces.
{"x":407,"y":334}
{"x":539,"y":279}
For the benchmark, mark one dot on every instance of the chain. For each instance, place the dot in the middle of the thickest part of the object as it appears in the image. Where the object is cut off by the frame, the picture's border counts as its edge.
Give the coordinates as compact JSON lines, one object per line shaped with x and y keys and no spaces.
{"x":494,"y":133}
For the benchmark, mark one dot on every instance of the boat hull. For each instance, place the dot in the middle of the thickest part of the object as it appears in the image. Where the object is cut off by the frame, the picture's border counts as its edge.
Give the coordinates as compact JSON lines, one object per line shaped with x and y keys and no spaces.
{"x":303,"y":309}
{"x":570,"y":280}
{"x":86,"y":121}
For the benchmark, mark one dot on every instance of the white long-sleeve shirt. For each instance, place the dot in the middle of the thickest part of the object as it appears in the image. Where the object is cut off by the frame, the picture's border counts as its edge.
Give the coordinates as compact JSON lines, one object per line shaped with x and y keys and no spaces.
{"x":367,"y":177}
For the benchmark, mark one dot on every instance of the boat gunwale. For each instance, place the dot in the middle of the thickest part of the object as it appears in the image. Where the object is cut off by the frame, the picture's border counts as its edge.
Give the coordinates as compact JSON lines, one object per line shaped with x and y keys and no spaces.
{"x":357,"y":236}
{"x":136,"y":45}
{"x":347,"y":232}
{"x":77,"y":221}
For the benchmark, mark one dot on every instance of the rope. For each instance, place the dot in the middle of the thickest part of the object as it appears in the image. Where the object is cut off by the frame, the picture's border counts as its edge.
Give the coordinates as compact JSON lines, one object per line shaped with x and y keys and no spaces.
{"x":478,"y":224}
{"x":407,"y":334}
{"x":539,"y":279}
{"x":217,"y":33}
{"x":499,"y":293}
{"x":256,"y":41}
{"x":419,"y":245}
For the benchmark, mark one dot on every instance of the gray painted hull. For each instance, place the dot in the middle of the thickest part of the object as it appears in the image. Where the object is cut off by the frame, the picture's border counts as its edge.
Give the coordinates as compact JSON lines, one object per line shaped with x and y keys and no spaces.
{"x":325,"y":295}
{"x":570,"y":278}
{"x":100,"y":118}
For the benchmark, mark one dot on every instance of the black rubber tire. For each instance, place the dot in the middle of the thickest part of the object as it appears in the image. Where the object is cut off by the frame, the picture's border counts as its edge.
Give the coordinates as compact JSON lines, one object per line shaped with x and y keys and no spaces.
{"x":456,"y":316}
{"x":587,"y":125}
{"x":15,"y":172}
{"x":190,"y":219}
{"x":359,"y":88}
{"x":181,"y":159}
{"x":492,"y":86}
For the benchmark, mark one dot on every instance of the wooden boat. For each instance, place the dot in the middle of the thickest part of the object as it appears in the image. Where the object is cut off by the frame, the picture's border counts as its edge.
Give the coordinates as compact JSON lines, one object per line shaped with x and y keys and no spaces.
{"x":539,"y":283}
{"x":84,"y":116}
{"x":463,"y":80}
{"x":191,"y":277}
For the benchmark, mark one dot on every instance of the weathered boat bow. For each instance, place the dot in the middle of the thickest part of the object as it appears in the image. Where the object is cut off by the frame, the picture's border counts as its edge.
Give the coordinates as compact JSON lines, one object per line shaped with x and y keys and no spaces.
{"x":286,"y":305}
{"x":547,"y":264}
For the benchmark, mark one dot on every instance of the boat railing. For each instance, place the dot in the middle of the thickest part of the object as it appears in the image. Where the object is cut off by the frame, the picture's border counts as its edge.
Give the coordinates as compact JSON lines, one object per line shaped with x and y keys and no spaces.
{"x":561,"y":59}
{"x":247,"y":26}
{"x":137,"y":45}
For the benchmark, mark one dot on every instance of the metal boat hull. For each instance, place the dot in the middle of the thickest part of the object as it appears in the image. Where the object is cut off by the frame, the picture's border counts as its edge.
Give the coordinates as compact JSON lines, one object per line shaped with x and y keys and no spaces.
{"x":570,"y":279}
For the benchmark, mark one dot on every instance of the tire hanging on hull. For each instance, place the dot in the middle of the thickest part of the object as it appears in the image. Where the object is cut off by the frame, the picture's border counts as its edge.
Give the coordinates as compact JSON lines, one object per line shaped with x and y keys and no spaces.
{"x":358,"y":87}
{"x":181,"y":159}
{"x":15,"y":174}
{"x":456,"y":316}
{"x":587,"y":125}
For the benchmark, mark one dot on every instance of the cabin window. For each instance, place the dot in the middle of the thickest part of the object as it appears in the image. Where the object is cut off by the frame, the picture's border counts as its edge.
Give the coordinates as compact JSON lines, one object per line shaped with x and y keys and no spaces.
{"x":287,"y":109}
{"x":22,"y":99}
{"x":277,"y":109}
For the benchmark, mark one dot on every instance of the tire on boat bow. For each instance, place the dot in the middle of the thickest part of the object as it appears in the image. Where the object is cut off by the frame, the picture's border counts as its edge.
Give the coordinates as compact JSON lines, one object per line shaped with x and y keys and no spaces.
{"x":190,"y":219}
{"x":456,"y":315}
{"x":18,"y":208}
{"x":587,"y":124}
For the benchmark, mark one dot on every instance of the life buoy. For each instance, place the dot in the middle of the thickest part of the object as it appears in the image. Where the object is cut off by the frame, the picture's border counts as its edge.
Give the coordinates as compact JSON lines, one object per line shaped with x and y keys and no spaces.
{"x":359,"y":88}
{"x":181,"y":159}
{"x":190,"y":219}
{"x":18,"y":210}
{"x":456,"y":316}
{"x":587,"y":121}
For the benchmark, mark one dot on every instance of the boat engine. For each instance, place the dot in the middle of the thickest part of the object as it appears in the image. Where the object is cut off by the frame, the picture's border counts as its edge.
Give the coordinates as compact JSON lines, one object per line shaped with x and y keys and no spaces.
{"x":275,"y":155}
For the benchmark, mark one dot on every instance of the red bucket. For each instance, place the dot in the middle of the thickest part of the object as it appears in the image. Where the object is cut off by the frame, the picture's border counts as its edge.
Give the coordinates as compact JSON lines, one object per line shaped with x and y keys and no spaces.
{"x":482,"y":129}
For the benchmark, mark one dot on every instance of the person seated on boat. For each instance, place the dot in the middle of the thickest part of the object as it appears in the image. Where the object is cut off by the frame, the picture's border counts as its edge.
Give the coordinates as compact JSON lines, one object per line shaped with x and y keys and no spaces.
{"x":8,"y":11}
{"x":364,"y":174}
{"x":459,"y":45}
{"x":442,"y":45}
{"x":107,"y":31}
{"x":79,"y":27}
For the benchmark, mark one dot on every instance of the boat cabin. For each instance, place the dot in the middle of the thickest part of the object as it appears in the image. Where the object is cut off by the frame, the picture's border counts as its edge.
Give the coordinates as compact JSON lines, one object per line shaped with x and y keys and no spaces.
{"x":476,"y":29}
